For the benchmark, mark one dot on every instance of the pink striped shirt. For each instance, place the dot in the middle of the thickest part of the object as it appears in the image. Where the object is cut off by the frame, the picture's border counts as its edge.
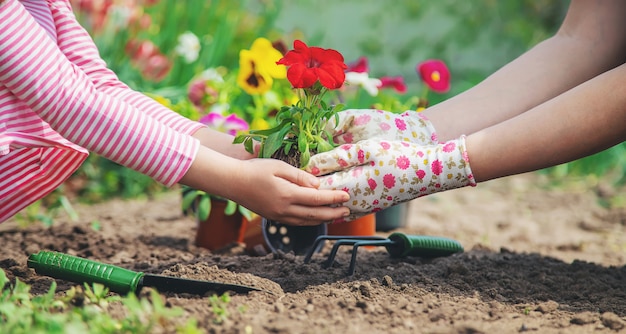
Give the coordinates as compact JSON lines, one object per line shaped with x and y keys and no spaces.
{"x":58,"y":101}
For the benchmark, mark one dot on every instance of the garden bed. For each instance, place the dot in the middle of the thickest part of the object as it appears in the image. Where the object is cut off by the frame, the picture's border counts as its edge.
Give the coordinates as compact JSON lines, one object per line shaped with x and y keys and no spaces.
{"x":538,"y":259}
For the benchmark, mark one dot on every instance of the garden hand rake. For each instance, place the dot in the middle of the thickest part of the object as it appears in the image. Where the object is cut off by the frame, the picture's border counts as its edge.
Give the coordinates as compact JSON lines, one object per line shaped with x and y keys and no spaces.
{"x":397,"y":245}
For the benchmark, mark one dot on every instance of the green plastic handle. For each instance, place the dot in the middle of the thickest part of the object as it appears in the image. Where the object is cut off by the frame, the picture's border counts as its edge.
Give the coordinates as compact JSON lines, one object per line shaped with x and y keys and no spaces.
{"x":422,"y":246}
{"x":79,"y":270}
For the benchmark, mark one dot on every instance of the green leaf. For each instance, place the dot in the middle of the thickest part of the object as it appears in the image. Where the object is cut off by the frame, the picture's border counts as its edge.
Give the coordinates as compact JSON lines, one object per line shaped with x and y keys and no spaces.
{"x":249,"y":145}
{"x":303,"y":144}
{"x":245,"y":212}
{"x":274,"y":142}
{"x":304,"y":158}
{"x":230,"y":209}
{"x":204,"y":208}
{"x":189,"y":197}
{"x":240,"y":139}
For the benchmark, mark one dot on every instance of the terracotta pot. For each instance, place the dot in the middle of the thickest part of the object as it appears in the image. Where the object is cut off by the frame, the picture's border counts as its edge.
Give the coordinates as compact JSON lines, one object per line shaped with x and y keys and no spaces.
{"x":253,"y":236}
{"x":365,"y":225}
{"x":219,"y":229}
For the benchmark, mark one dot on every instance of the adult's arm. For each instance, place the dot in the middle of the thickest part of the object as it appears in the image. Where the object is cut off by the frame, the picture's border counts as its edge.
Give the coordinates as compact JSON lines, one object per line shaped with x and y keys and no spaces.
{"x":587,"y":119}
{"x":590,"y":41}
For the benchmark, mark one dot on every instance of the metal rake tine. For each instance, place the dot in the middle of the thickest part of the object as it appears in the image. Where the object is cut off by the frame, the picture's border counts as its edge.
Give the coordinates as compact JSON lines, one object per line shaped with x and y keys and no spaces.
{"x":383,"y":242}
{"x":316,"y":243}
{"x":348,"y":240}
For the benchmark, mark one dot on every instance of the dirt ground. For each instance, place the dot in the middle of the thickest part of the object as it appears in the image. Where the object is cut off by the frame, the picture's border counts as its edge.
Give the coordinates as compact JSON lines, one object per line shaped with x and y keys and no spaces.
{"x":536,"y":259}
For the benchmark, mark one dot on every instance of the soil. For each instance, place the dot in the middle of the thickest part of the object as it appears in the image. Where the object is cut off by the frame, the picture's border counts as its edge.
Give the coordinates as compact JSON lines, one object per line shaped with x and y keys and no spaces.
{"x":537,"y":259}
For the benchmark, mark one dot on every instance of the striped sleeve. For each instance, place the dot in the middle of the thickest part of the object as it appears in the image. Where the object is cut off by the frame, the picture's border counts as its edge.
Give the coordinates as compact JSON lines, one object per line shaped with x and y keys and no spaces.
{"x":33,"y":68}
{"x":78,"y":46}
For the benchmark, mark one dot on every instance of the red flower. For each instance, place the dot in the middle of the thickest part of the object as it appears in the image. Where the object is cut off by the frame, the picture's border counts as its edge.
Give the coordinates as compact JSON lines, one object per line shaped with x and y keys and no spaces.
{"x":307,"y":65}
{"x":359,"y":66}
{"x":435,"y":75}
{"x":397,"y":83}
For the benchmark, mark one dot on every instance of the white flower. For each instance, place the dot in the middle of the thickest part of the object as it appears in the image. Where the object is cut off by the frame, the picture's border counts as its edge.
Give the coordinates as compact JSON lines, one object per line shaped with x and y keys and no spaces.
{"x":212,"y":74}
{"x":188,"y":46}
{"x":362,"y":79}
{"x":220,"y":108}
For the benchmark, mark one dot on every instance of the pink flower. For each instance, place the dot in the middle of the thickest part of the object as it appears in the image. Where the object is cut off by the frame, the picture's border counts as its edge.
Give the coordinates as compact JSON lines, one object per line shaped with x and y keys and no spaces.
{"x":361,"y":156}
{"x":433,"y":137}
{"x":375,"y":202}
{"x":359,"y":66}
{"x":315,"y":171}
{"x":348,"y":137}
{"x":400,"y":124}
{"x":385,"y":126}
{"x":397,"y":83}
{"x":403,"y":162}
{"x":156,"y":67}
{"x":385,"y":145}
{"x":420,"y":173}
{"x":342,"y":163}
{"x":372,"y":184}
{"x":420,"y":154}
{"x":449,"y":147}
{"x":362,"y":120}
{"x":357,"y":171}
{"x":389,"y":181}
{"x":436,"y":167}
{"x":202,"y":94}
{"x":230,"y":124}
{"x":390,"y":198}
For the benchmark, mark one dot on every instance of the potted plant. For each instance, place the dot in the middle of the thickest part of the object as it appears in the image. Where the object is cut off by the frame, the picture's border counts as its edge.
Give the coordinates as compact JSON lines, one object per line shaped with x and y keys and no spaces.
{"x":220,"y":221}
{"x":300,"y":130}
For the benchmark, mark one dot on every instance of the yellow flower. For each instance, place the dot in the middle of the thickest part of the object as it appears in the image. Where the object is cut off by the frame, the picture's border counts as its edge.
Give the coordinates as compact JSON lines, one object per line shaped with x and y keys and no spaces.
{"x":257,"y":67}
{"x":259,"y":124}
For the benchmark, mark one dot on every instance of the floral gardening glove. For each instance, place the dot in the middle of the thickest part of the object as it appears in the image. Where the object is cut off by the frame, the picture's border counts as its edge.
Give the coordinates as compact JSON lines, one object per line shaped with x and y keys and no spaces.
{"x":359,"y":124}
{"x":380,"y":173}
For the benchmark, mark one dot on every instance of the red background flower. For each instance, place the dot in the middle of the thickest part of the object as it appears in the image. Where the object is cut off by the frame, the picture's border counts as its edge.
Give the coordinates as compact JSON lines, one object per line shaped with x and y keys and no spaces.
{"x":435,"y":74}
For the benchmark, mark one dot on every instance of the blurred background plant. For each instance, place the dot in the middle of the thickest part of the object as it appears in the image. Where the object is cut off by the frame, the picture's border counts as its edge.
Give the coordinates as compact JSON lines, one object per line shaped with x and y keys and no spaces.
{"x":186,"y":54}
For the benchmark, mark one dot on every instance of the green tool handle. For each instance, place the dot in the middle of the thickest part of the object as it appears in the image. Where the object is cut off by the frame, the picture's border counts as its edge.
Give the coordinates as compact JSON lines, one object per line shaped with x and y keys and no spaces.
{"x":420,"y":245}
{"x":79,"y":270}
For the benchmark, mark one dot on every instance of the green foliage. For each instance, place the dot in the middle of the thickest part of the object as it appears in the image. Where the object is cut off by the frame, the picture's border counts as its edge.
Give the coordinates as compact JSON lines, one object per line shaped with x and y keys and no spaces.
{"x":609,"y":165}
{"x":106,"y":179}
{"x":83,"y":310}
{"x":218,"y":306}
{"x":198,"y":203}
{"x":46,"y":210}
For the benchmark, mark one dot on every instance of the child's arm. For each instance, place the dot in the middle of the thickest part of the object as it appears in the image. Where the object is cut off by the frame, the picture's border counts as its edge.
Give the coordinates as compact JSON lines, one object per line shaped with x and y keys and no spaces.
{"x":36,"y":72}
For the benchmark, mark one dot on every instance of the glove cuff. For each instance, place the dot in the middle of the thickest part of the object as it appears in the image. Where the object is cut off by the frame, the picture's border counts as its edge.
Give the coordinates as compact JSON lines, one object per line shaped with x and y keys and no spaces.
{"x":468,"y":170}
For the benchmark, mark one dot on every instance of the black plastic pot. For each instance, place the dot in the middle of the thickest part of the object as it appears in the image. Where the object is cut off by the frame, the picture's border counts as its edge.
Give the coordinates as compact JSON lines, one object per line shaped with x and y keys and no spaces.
{"x":288,"y":238}
{"x":392,"y":218}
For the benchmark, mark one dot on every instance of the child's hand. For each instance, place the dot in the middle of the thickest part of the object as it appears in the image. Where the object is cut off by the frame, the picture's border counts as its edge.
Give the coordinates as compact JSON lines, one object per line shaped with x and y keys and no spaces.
{"x":281,"y":192}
